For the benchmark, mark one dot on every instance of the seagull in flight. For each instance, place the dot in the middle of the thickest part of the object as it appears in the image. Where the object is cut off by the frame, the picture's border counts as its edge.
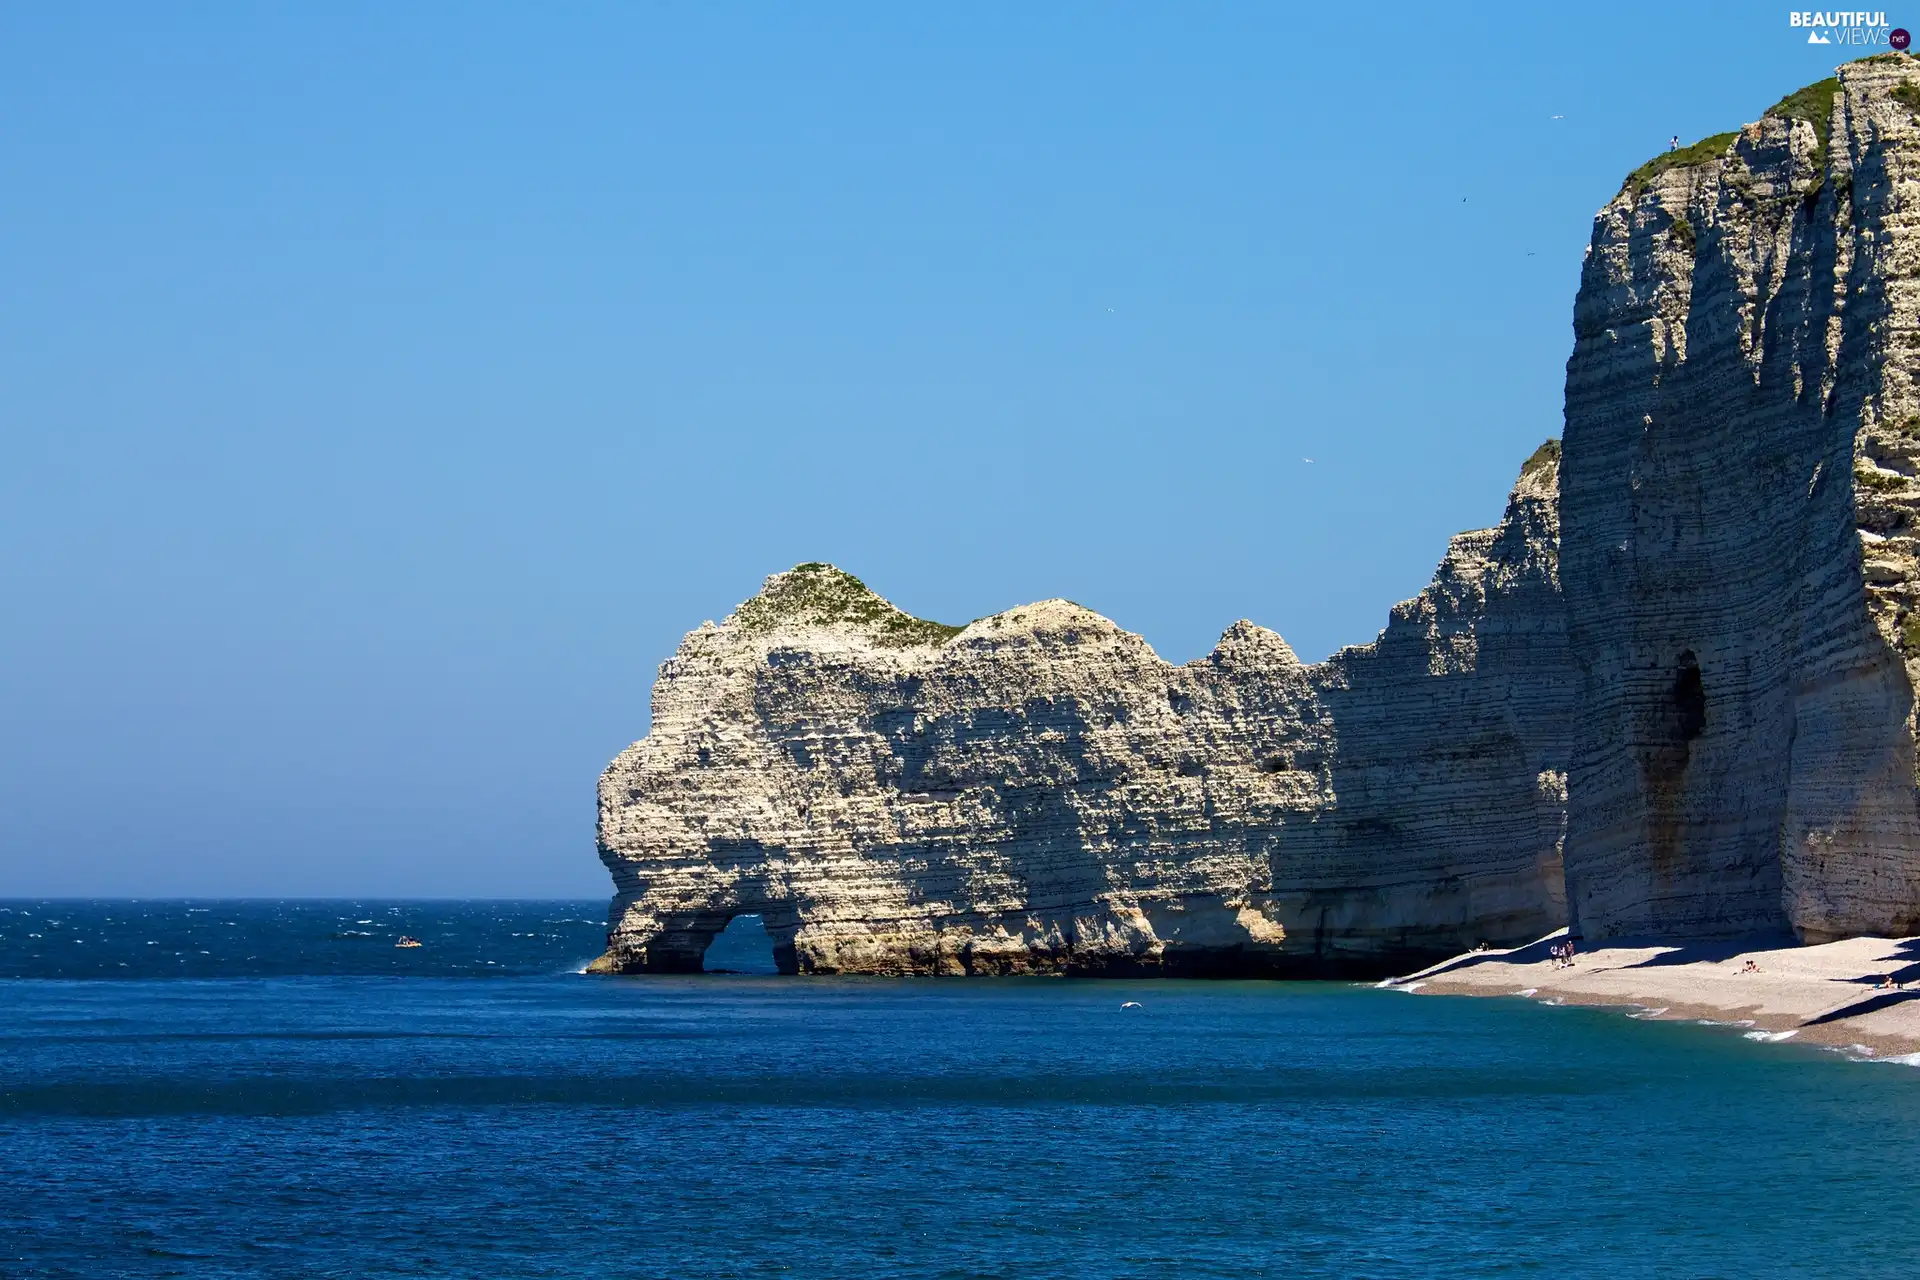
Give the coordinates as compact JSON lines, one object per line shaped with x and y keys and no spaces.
{"x":1306,"y":459}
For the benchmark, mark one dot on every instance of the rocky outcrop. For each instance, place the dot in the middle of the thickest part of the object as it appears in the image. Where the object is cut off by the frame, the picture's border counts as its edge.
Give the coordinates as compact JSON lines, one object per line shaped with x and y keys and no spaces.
{"x":1719,"y":714}
{"x":1039,"y":792}
{"x":1739,"y":559}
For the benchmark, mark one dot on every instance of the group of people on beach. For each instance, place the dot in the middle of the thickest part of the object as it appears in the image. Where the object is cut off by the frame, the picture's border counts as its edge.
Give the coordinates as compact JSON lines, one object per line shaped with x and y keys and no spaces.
{"x":1562,"y":954}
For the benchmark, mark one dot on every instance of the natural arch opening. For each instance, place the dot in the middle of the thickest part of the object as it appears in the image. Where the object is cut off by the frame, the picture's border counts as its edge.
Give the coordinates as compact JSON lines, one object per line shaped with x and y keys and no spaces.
{"x":744,"y":946}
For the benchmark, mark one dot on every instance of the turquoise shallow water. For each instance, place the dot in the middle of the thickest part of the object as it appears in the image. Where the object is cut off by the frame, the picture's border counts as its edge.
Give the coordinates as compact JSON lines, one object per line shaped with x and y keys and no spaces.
{"x":473,"y":1108}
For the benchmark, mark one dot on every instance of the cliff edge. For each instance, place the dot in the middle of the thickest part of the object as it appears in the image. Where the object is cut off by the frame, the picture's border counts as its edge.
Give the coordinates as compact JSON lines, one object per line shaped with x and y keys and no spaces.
{"x":1039,"y":792}
{"x":1739,"y":554}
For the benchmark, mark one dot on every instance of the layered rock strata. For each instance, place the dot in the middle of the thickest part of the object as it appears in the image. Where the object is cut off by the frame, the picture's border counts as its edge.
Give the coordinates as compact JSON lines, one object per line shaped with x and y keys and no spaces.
{"x":1739,"y":553}
{"x":1039,"y":792}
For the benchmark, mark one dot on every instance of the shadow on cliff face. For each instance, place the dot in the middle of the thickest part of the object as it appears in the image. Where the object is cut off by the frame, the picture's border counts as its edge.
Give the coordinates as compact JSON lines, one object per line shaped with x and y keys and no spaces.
{"x":1671,"y":725}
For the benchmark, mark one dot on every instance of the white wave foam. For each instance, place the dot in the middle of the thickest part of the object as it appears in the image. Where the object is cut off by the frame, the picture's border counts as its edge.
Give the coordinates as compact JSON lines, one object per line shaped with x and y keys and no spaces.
{"x":1411,"y":986}
{"x":1648,"y":1014}
{"x":1772,"y":1037}
{"x":1528,"y":991}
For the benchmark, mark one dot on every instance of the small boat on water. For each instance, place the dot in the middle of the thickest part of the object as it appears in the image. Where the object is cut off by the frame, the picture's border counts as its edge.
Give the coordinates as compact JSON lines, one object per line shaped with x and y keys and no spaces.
{"x":405,"y":941}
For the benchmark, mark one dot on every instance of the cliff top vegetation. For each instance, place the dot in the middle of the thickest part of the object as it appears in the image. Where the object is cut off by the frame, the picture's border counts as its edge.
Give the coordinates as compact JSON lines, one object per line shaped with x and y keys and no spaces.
{"x":820,"y":595}
{"x":1699,"y":153}
{"x":1814,"y":104}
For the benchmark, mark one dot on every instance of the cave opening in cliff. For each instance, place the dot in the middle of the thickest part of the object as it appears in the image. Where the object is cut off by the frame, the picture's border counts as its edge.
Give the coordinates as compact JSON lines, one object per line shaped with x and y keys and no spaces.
{"x":1689,"y":698}
{"x":744,"y":946}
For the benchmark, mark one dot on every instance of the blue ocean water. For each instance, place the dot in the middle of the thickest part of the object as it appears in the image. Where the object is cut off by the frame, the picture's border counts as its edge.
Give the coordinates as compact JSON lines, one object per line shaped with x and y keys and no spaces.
{"x":276,"y":1090}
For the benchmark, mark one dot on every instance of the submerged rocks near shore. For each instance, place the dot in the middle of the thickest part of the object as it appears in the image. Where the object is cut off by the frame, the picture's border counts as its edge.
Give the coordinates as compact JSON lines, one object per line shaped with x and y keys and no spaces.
{"x":1712,"y":733}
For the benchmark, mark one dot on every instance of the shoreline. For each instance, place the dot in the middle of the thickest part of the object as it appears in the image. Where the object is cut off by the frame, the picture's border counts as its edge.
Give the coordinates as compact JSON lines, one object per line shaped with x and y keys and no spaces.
{"x":1825,"y":995}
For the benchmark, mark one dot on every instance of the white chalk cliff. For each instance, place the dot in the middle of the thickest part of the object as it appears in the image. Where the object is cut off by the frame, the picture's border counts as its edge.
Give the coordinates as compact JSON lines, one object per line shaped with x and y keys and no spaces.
{"x":1039,"y":792}
{"x":1718,"y":714}
{"x":1739,"y":540}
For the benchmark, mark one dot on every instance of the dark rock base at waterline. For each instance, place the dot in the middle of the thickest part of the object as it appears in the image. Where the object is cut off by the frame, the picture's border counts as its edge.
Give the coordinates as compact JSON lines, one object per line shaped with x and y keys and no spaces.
{"x":1222,"y":964}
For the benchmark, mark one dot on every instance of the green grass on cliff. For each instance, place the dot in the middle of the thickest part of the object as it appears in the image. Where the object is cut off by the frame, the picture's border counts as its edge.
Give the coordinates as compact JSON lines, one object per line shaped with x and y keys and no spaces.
{"x":821,"y":595}
{"x":1910,"y":635}
{"x":1814,"y":104}
{"x":1876,"y":479}
{"x":1701,"y":152}
{"x":1547,"y":455}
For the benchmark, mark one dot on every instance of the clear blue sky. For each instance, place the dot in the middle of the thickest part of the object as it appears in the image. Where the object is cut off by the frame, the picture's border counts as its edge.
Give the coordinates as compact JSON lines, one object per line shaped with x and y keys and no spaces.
{"x":385,"y":389}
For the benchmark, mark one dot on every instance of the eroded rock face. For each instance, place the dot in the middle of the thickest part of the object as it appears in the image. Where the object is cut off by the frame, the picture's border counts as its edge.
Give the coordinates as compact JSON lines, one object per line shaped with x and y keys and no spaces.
{"x":1040,"y":793}
{"x":1739,"y":557}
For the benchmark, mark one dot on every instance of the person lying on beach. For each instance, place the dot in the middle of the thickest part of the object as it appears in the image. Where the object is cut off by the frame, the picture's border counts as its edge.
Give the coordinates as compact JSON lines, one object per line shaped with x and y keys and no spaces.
{"x":1750,"y":967}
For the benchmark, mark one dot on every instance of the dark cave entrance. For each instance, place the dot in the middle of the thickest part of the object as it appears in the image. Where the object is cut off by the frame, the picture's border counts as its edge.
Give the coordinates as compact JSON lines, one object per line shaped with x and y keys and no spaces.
{"x":1689,"y":698}
{"x":744,"y":946}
